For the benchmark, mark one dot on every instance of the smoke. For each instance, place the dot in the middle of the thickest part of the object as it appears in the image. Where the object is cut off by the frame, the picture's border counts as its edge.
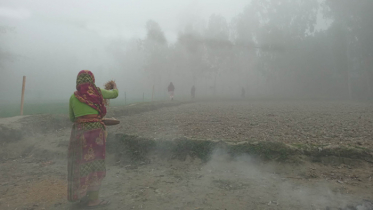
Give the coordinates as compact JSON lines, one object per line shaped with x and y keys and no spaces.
{"x":263,"y":184}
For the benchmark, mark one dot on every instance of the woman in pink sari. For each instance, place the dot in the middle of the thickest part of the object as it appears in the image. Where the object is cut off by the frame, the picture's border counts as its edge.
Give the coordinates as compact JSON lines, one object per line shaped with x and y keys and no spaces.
{"x":86,"y":154}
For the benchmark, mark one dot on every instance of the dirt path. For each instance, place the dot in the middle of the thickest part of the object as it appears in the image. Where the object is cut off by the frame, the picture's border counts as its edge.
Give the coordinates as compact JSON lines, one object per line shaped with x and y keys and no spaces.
{"x":33,"y":168}
{"x":190,"y":184}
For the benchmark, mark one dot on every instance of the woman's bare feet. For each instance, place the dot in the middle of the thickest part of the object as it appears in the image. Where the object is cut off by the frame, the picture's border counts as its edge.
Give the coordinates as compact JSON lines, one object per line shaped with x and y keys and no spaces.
{"x":97,"y":203}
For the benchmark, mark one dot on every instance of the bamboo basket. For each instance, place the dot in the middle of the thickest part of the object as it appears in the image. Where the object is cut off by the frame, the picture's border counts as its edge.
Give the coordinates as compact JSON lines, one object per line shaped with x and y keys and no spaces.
{"x":110,"y":121}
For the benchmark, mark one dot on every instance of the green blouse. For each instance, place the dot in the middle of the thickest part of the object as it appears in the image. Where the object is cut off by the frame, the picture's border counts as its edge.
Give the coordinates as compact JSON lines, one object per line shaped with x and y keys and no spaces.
{"x":77,"y":108}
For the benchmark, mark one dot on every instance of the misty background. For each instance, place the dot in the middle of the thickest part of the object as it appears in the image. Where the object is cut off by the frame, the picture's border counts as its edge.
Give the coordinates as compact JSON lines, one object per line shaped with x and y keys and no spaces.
{"x":285,"y":49}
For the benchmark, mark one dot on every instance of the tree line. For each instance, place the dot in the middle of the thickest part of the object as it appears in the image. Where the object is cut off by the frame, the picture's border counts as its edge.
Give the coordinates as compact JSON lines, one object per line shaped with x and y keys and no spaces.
{"x":290,"y":48}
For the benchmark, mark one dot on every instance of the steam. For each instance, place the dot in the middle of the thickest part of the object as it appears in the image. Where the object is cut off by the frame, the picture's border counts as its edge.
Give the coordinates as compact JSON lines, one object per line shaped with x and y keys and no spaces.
{"x":260,"y":182}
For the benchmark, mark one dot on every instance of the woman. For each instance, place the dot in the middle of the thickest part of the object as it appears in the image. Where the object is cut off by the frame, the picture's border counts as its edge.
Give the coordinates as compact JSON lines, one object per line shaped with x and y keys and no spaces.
{"x":86,"y":155}
{"x":171,"y":90}
{"x":193,"y":92}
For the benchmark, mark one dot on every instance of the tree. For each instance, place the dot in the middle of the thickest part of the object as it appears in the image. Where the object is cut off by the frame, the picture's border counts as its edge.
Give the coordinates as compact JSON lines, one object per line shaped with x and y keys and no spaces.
{"x":190,"y":54}
{"x":270,"y":31}
{"x":218,"y":47}
{"x":156,"y":53}
{"x":353,"y":28}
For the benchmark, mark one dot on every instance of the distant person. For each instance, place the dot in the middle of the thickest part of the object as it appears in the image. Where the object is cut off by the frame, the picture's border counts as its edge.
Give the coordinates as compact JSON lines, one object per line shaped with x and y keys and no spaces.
{"x":193,"y":92}
{"x":86,"y":153}
{"x":171,"y":90}
{"x":243,"y":92}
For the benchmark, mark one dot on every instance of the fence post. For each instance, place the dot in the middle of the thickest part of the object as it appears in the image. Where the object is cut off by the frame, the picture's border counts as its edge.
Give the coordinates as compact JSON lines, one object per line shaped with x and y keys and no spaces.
{"x":23,"y":93}
{"x":125,"y":98}
{"x":143,"y":97}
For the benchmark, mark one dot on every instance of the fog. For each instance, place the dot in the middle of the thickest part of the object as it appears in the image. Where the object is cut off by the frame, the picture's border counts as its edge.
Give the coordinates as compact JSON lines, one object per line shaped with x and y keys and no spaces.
{"x":308,"y":49}
{"x":316,"y":151}
{"x":267,"y":180}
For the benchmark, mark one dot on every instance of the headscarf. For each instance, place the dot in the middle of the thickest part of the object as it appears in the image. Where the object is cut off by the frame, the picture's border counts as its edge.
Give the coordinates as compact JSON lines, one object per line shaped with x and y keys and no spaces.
{"x":88,"y":93}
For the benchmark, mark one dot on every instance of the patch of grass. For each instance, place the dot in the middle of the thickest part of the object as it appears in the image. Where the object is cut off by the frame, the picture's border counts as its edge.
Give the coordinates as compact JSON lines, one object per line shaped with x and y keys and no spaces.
{"x":300,"y":146}
{"x":132,"y":146}
{"x":11,"y":110}
{"x":194,"y":148}
{"x":142,"y":107}
{"x":358,"y":147}
{"x":134,"y":149}
{"x":140,"y":148}
{"x":265,"y":150}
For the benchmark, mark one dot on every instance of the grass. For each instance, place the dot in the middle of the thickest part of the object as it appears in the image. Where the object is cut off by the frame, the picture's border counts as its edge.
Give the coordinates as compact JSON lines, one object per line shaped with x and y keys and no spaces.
{"x":137,"y":148}
{"x":11,"y":110}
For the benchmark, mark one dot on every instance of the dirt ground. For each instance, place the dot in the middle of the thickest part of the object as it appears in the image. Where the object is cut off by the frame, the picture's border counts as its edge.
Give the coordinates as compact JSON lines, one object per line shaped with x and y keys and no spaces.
{"x":338,"y":123}
{"x":33,"y":159}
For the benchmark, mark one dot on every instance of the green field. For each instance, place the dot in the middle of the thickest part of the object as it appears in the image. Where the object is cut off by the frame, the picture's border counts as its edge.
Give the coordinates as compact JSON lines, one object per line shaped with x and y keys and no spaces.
{"x":54,"y":107}
{"x":13,"y":109}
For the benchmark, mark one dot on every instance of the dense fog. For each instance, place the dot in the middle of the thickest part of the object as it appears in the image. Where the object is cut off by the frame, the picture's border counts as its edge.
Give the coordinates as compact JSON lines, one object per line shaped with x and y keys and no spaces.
{"x":270,"y":107}
{"x":283,"y":49}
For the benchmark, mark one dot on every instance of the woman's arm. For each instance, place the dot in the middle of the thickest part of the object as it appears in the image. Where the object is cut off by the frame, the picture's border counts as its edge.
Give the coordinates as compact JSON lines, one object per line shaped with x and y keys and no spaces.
{"x":109,"y":94}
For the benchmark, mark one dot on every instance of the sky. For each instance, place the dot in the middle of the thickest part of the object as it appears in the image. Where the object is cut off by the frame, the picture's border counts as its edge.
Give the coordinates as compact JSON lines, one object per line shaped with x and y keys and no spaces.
{"x":116,"y":18}
{"x":53,"y":39}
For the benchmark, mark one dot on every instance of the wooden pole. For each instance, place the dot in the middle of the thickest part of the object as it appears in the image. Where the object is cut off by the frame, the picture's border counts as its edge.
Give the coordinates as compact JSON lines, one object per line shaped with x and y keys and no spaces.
{"x":23,"y":93}
{"x":125,"y":98}
{"x":153,"y":93}
{"x":143,"y":97}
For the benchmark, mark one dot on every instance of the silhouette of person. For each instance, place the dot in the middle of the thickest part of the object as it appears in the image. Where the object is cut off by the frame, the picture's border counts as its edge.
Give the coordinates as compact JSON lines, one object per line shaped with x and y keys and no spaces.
{"x":193,"y":92}
{"x":171,"y":89}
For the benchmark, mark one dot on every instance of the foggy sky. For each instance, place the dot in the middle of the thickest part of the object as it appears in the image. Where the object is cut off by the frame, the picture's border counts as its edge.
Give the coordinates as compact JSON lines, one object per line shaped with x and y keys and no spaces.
{"x":53,"y":40}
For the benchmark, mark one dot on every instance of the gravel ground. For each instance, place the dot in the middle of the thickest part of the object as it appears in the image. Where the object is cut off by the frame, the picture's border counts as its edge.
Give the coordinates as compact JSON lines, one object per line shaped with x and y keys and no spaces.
{"x":33,"y":168}
{"x":293,"y":122}
{"x":221,"y":184}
